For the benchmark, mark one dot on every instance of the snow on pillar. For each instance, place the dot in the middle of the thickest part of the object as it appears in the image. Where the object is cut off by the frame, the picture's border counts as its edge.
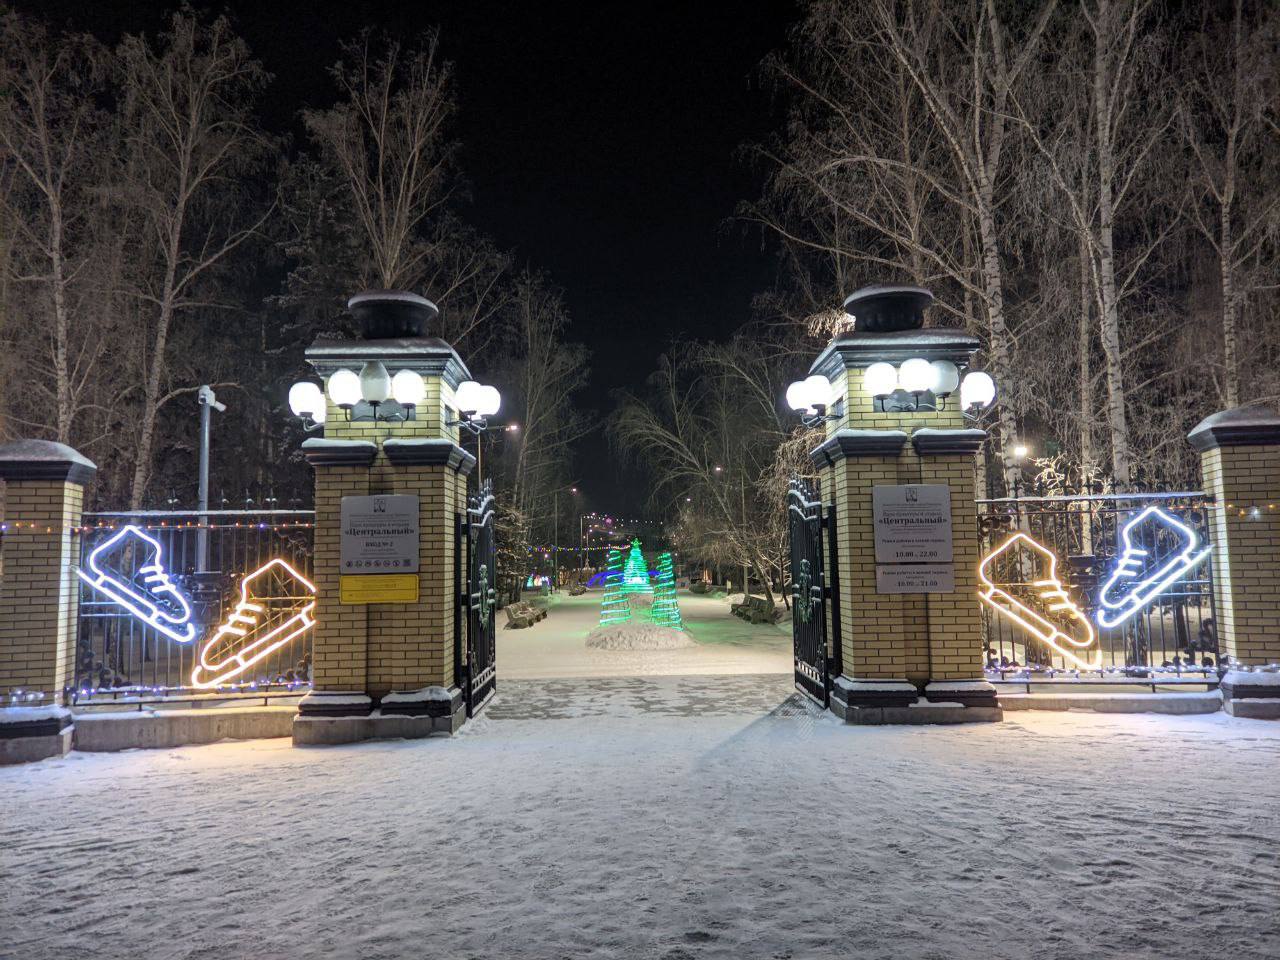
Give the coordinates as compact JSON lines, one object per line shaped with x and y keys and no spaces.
{"x":896,"y":641}
{"x":39,"y":595}
{"x":384,"y":645}
{"x":1240,"y":464}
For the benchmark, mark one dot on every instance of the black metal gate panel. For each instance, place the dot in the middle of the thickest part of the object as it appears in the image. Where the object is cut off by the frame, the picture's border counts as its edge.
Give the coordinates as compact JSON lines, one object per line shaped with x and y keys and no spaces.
{"x":808,"y":590}
{"x":480,"y":676}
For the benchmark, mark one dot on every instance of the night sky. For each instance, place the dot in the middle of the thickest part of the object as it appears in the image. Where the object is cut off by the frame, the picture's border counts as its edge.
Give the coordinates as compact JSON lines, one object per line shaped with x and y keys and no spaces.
{"x":599,"y":142}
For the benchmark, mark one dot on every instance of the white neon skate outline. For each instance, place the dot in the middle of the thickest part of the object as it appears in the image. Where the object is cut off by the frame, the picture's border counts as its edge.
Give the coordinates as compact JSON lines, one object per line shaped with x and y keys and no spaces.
{"x":157,"y":580}
{"x":1112,"y":614}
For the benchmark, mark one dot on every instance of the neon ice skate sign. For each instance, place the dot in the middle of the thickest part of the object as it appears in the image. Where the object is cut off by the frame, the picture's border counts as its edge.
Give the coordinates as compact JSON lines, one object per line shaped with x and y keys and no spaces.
{"x":1074,"y":646}
{"x":248,"y":634}
{"x":155,"y":601}
{"x":1141,"y":575}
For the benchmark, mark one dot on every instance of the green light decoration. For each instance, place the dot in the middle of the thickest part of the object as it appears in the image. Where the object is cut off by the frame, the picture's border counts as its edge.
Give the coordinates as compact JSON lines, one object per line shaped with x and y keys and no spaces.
{"x":616,"y":606}
{"x":635,"y":575}
{"x":666,"y":605}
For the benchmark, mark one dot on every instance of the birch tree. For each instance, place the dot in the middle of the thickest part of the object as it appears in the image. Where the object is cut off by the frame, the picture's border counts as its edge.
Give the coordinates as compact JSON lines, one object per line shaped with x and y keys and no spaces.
{"x":1229,"y":118}
{"x":192,"y":142}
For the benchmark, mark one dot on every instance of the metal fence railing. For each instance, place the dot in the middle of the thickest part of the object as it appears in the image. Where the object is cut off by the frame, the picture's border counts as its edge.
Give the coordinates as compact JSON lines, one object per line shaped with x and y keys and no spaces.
{"x":1150,"y":549}
{"x":183,"y":603}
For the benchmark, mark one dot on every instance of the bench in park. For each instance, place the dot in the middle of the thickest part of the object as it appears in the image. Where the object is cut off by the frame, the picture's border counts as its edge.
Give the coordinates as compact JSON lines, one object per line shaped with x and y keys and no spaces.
{"x":756,"y":610}
{"x":523,"y":614}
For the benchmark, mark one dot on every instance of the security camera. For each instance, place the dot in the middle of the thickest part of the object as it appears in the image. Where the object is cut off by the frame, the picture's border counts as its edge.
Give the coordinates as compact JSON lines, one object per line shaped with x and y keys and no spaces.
{"x":205,"y":395}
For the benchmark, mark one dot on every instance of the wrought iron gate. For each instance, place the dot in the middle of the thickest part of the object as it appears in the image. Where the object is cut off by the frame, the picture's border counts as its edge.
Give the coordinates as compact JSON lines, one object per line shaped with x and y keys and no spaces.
{"x":811,"y":526}
{"x":476,"y":671}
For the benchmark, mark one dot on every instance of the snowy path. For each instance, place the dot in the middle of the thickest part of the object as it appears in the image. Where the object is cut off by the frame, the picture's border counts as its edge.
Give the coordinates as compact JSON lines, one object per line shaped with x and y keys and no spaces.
{"x":556,"y":646}
{"x":682,"y":817}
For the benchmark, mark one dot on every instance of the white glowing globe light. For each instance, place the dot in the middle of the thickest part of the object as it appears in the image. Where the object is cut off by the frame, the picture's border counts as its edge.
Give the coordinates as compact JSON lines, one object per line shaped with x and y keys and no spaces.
{"x":305,"y":399}
{"x":881,"y":379}
{"x":818,"y":391}
{"x":344,"y":388}
{"x":977,"y":389}
{"x":798,"y":396}
{"x":320,"y":414}
{"x":490,"y":401}
{"x":946,"y":377}
{"x":407,"y":387}
{"x":375,"y":382}
{"x":915,"y":375}
{"x":467,"y":396}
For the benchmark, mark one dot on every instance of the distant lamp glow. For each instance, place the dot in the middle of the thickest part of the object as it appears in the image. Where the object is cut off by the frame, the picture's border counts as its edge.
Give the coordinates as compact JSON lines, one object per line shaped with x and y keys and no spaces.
{"x":344,"y":388}
{"x":1021,"y":451}
{"x":881,"y":379}
{"x":407,"y":388}
{"x":306,"y":400}
{"x":946,"y":377}
{"x":915,"y":375}
{"x":977,"y":389}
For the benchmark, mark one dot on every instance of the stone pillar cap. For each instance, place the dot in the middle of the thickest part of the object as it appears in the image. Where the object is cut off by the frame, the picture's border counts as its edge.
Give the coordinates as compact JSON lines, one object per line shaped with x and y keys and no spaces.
{"x":44,"y":460}
{"x":1247,"y":426}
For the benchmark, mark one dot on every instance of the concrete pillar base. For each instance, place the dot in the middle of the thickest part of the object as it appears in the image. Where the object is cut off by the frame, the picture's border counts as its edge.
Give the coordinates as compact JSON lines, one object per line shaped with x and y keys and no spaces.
{"x":1255,"y":695}
{"x":967,"y":693}
{"x":330,"y":731}
{"x":920,"y":713}
{"x":852,"y":692}
{"x":28,"y":734}
{"x":335,"y":703}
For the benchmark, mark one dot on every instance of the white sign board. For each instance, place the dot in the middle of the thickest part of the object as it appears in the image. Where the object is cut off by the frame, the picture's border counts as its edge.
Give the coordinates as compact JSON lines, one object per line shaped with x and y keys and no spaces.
{"x":379,"y":534}
{"x":916,"y":578}
{"x":912,"y":523}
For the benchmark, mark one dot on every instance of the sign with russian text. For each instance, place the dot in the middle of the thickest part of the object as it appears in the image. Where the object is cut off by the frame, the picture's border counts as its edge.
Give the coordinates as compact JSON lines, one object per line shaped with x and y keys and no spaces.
{"x":916,"y":578}
{"x":379,"y":535}
{"x":912,"y":523}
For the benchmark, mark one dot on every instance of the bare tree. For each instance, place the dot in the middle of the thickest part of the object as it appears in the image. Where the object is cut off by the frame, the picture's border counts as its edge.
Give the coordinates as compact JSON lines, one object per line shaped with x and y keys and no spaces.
{"x":52,"y":137}
{"x":191,"y":140}
{"x":1229,"y":113}
{"x":386,"y":141}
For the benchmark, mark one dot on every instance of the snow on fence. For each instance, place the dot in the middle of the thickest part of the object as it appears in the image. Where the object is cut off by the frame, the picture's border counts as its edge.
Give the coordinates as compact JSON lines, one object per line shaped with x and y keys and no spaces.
{"x":178,"y":604}
{"x":1175,"y":633}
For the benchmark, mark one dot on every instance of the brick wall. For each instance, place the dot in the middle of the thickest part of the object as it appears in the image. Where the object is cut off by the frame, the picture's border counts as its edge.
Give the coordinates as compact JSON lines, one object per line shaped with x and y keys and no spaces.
{"x":1246,"y":549}
{"x":40,"y":594}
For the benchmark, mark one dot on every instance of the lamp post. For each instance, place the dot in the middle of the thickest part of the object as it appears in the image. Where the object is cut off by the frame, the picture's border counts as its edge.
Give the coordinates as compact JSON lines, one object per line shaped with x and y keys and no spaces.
{"x":208,"y":401}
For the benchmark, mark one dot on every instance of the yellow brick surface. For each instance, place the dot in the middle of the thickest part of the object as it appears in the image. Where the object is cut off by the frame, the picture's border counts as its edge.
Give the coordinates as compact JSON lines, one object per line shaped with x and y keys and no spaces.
{"x":1246,"y":549}
{"x":39,"y":590}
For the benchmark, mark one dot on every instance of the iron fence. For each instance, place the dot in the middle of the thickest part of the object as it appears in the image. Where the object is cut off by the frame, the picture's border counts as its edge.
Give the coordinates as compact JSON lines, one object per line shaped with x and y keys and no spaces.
{"x":1172,"y":632}
{"x":165,"y":592}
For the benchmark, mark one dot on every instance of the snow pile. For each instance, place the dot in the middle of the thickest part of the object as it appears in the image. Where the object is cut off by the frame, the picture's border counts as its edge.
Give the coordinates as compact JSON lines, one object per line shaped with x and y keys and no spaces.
{"x":638,"y":636}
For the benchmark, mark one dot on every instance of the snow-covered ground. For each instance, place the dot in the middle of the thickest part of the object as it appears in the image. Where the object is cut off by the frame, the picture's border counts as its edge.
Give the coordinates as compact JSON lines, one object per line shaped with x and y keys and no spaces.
{"x":667,"y":817}
{"x":557,"y":645}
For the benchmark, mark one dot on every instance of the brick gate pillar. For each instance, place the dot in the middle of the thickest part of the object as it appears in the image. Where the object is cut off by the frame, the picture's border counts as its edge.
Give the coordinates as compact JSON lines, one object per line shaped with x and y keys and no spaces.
{"x":384,"y":663}
{"x":1240,"y":464}
{"x":898,"y":642}
{"x":39,"y":595}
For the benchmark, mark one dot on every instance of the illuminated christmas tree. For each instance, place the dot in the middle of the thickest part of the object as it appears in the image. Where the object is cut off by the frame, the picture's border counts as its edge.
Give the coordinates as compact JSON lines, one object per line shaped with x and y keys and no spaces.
{"x":615,"y":607}
{"x":666,"y":605}
{"x":635,"y":575}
